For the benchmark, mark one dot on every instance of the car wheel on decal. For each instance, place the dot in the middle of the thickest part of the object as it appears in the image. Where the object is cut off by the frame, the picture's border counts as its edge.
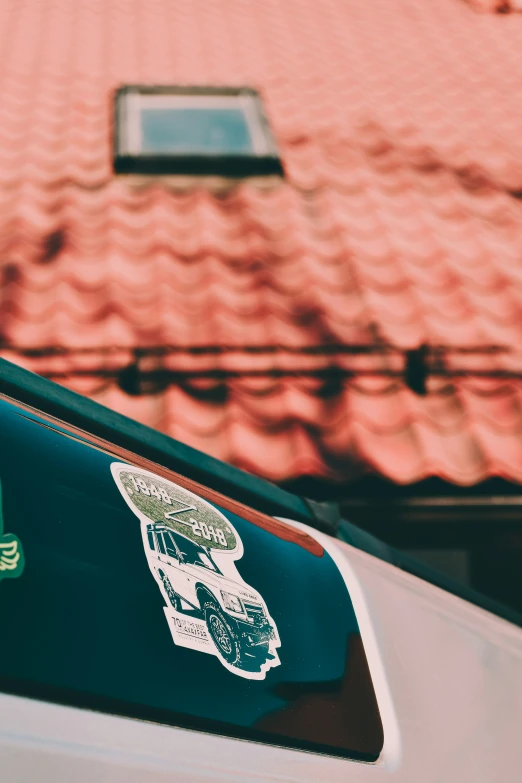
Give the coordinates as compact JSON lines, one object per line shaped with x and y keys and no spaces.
{"x":222,"y":634}
{"x":172,"y":596}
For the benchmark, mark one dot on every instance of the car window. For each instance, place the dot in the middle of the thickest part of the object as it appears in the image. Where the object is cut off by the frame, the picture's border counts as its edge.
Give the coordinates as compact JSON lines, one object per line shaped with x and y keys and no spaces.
{"x":84,"y":628}
{"x":150,"y":537}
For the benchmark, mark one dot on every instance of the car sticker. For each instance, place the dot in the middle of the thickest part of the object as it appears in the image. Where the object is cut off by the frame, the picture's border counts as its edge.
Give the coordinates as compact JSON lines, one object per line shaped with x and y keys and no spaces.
{"x":12,"y":559}
{"x":191,"y":548}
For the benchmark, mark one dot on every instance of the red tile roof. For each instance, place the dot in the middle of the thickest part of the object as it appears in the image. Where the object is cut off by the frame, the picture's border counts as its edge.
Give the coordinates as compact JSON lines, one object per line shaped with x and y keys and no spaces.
{"x":497,"y":6}
{"x":399,"y":224}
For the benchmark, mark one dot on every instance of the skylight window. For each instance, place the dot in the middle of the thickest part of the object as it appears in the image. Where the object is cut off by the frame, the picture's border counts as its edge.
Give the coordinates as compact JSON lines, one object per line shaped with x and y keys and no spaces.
{"x":200,"y":131}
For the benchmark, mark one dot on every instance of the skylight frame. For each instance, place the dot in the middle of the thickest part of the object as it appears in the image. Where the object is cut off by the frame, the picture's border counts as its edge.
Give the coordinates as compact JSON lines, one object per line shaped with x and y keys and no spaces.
{"x":130,"y":158}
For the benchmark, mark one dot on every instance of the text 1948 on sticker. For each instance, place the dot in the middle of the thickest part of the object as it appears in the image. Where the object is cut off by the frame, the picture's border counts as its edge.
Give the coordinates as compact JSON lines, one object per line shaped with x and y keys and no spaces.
{"x":191,"y":549}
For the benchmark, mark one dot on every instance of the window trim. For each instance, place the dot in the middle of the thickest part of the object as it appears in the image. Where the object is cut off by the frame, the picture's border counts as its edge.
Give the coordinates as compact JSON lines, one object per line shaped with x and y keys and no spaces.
{"x":129,"y":159}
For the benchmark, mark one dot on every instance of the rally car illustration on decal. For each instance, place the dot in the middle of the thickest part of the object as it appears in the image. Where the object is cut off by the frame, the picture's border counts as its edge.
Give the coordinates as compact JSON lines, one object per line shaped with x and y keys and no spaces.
{"x":191,"y":548}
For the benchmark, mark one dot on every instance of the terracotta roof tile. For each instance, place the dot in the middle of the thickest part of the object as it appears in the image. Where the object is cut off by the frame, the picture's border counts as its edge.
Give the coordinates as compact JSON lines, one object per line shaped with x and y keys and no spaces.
{"x":399,"y":224}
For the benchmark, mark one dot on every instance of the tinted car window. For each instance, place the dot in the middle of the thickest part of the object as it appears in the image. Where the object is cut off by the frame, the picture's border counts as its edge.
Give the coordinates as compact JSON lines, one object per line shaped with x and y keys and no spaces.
{"x":267,"y":647}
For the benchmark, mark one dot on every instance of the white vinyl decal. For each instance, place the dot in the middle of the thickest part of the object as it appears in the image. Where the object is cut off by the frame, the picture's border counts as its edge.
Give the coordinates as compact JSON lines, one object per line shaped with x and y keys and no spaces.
{"x":191,"y":549}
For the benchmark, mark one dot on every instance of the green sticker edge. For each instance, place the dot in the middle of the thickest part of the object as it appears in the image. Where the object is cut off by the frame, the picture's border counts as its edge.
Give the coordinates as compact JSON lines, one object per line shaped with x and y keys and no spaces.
{"x":12,"y":558}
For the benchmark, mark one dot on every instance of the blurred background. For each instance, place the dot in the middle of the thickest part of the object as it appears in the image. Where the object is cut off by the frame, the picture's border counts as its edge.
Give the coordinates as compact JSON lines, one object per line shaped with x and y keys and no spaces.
{"x":289,"y":234}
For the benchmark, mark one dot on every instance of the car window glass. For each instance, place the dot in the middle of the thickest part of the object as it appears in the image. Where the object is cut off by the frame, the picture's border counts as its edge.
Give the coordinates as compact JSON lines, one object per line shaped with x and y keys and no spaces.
{"x":85,"y":628}
{"x":150,"y":536}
